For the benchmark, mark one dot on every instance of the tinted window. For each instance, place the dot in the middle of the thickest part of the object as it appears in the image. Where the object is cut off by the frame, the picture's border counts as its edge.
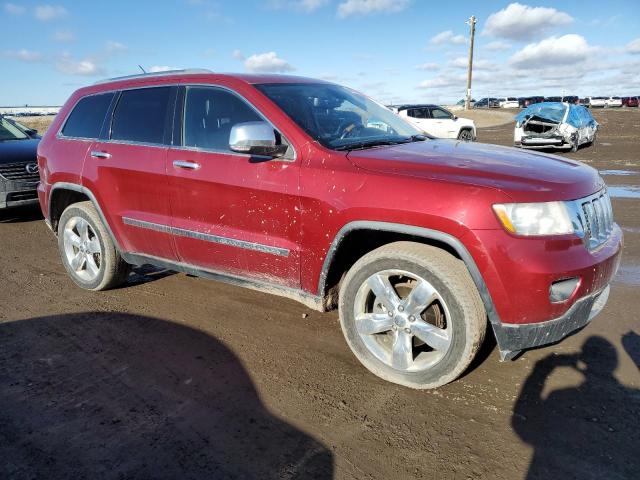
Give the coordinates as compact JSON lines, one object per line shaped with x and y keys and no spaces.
{"x":440,"y":113}
{"x":141,"y":115}
{"x":87,"y":116}
{"x":418,"y":113}
{"x":209,"y":115}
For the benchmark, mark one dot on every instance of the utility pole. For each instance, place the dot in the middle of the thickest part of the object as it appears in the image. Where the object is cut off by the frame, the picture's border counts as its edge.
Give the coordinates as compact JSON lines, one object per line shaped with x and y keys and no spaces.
{"x":472,"y":27}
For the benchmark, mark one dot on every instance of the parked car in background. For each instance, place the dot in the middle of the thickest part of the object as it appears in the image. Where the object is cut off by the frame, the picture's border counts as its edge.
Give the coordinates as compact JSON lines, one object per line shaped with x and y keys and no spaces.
{"x":553,"y":99}
{"x":437,"y":121}
{"x":508,"y":102}
{"x":524,"y":102}
{"x":598,"y":102}
{"x":630,"y":101}
{"x":463,"y":102}
{"x":487,"y":102}
{"x":18,"y":164}
{"x":555,"y":125}
{"x":312,"y":191}
{"x":614,"y":102}
{"x":571,"y":99}
{"x":584,"y":102}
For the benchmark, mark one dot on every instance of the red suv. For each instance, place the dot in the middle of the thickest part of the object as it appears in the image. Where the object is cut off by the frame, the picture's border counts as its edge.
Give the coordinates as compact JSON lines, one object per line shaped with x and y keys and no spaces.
{"x":312,"y":191}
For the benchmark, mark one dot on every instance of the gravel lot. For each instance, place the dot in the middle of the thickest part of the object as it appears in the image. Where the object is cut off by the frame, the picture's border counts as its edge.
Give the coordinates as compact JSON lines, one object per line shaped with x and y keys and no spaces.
{"x":180,"y":377}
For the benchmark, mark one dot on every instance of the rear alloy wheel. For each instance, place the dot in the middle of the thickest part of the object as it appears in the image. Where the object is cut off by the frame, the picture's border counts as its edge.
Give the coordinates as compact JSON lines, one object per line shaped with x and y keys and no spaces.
{"x":87,"y":251}
{"x":412,"y":314}
{"x":465,"y":135}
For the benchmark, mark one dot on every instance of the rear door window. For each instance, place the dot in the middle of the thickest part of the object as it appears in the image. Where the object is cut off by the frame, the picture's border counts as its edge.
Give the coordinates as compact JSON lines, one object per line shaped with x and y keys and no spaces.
{"x":141,"y":115}
{"x":85,"y":121}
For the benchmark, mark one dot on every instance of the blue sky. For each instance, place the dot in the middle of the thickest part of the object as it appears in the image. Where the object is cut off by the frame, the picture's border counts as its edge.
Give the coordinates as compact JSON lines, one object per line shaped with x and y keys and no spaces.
{"x":393,"y":50}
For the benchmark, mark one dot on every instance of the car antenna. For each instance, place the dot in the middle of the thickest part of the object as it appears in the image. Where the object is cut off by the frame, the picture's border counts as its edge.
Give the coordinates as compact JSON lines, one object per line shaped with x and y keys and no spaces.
{"x":143,"y":70}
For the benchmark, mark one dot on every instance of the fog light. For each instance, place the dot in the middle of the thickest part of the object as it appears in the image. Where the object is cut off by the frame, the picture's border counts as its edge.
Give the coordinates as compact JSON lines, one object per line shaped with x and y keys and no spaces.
{"x":563,"y":289}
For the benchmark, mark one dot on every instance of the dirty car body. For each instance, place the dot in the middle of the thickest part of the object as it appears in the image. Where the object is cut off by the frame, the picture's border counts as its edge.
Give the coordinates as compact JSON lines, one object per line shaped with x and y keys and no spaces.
{"x":315,"y":192}
{"x":554,"y":125}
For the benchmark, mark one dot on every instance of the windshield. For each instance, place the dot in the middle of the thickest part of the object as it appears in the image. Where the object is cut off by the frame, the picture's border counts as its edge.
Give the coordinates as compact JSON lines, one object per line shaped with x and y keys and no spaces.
{"x":339,"y":118}
{"x":8,"y":131}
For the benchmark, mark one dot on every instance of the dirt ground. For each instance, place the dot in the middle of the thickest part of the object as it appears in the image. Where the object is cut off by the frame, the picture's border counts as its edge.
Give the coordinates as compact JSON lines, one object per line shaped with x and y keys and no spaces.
{"x":178,"y":377}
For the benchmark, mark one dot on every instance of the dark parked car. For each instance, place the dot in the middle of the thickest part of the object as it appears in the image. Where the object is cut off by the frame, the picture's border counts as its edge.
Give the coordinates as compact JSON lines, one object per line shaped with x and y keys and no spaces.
{"x":309,"y":190}
{"x":630,"y":101}
{"x":526,"y":101}
{"x":573,"y":99}
{"x":18,"y":164}
{"x":553,"y":99}
{"x":487,"y":103}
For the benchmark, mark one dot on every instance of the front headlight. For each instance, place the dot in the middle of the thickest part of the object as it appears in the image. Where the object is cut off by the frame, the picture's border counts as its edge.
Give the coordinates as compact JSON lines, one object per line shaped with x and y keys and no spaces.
{"x":532,"y":219}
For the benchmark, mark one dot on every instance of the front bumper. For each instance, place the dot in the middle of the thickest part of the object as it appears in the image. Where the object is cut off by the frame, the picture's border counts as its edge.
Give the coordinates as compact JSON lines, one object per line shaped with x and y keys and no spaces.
{"x":515,"y":338}
{"x":16,"y":193}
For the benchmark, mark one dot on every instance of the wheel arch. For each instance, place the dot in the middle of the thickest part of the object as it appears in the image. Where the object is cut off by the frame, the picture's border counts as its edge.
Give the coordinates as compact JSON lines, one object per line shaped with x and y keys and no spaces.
{"x":397,"y":232}
{"x":63,"y":194}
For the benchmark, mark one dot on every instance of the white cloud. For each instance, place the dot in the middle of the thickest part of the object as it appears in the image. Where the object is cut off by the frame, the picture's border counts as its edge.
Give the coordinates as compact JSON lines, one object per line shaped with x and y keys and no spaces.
{"x":24,"y":55}
{"x":522,"y":22}
{"x":64,"y":36}
{"x":238,"y":55}
{"x":46,"y":13}
{"x":497,"y":46}
{"x":448,"y":37}
{"x":161,"y":68}
{"x":267,"y":62}
{"x":443,"y":81}
{"x":478,"y":63}
{"x":566,"y":50}
{"x":14,"y":9}
{"x":633,"y":46}
{"x":428,"y":66}
{"x":368,"y":7}
{"x":66,"y":64}
{"x":112,"y":46}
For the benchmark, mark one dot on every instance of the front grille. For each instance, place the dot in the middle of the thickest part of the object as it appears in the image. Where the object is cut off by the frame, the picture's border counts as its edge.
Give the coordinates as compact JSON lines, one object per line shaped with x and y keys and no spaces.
{"x":596,"y":217}
{"x":18,"y":171}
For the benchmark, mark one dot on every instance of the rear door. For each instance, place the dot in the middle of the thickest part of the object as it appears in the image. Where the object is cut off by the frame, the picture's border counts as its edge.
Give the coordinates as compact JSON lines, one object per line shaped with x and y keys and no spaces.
{"x":126,"y":170}
{"x":232,"y":213}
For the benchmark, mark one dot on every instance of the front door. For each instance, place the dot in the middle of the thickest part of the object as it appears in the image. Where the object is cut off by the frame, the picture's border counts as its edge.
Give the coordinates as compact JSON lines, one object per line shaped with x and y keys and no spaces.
{"x":232,"y":213}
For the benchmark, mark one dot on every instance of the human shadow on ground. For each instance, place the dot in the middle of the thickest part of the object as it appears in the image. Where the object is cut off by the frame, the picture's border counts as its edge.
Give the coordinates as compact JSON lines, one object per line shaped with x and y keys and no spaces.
{"x":586,"y":432}
{"x":112,"y":395}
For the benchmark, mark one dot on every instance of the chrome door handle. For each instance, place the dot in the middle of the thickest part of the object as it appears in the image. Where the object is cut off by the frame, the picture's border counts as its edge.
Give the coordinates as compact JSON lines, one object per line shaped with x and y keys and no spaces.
{"x":98,"y":154}
{"x":185,"y":164}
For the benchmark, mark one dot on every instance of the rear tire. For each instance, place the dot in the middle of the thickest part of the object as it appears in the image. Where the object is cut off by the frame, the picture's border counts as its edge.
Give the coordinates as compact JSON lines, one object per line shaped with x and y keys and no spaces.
{"x":87,"y":251}
{"x":405,"y":342}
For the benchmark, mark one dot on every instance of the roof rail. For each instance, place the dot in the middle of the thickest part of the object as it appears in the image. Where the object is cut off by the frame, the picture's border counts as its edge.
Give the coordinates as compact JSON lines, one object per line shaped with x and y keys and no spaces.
{"x":155,"y":74}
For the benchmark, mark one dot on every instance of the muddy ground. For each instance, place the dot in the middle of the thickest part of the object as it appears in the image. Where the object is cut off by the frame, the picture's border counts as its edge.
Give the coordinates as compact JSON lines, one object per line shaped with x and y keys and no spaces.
{"x":179,"y":377}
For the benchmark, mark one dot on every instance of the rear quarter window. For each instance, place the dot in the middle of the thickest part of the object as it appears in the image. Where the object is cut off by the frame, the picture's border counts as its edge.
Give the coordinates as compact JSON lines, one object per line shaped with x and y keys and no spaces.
{"x":141,"y":115}
{"x":86,"y":118}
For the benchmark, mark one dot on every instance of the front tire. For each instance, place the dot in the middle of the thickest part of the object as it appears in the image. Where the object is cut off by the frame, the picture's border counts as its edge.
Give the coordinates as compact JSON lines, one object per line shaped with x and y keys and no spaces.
{"x":465,"y":135}
{"x":412,"y":315}
{"x":87,"y":251}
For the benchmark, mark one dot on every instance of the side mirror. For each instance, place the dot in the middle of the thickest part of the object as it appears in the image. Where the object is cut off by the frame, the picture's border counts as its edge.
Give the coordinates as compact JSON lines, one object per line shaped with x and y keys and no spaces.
{"x":455,"y":117}
{"x":255,"y":138}
{"x":31,"y":132}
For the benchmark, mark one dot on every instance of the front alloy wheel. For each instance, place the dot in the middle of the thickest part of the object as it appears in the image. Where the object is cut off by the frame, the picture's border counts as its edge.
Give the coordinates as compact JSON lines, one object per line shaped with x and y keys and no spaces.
{"x":411,"y":314}
{"x":465,"y":136}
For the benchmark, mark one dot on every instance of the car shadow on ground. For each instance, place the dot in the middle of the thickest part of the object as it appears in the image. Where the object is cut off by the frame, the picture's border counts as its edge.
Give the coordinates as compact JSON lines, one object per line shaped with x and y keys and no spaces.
{"x":588,"y":431}
{"x":112,"y":395}
{"x":29,"y":213}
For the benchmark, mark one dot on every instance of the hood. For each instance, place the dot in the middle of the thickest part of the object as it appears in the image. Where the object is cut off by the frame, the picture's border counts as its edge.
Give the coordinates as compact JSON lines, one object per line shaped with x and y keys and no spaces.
{"x":14,"y":151}
{"x":523,"y":175}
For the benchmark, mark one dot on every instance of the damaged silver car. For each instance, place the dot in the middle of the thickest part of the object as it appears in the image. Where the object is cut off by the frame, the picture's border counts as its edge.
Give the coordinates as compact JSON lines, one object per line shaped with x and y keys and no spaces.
{"x":555,"y":125}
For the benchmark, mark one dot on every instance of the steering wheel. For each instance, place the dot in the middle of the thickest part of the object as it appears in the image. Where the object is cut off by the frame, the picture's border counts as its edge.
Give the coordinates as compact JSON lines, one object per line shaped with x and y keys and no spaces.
{"x":349,"y":130}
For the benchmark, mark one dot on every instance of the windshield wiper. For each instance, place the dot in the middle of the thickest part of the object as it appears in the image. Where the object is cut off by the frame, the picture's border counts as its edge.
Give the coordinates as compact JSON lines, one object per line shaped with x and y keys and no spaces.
{"x":376,"y":143}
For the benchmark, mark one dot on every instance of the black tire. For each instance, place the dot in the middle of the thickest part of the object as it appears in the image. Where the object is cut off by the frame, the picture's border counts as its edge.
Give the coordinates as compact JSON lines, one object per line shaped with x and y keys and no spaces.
{"x":451,"y":278}
{"x":113,"y":270}
{"x":465,"y":135}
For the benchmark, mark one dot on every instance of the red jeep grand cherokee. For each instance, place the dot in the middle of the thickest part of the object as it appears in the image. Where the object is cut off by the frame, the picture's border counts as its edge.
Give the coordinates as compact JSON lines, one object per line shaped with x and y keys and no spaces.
{"x":312,"y":191}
